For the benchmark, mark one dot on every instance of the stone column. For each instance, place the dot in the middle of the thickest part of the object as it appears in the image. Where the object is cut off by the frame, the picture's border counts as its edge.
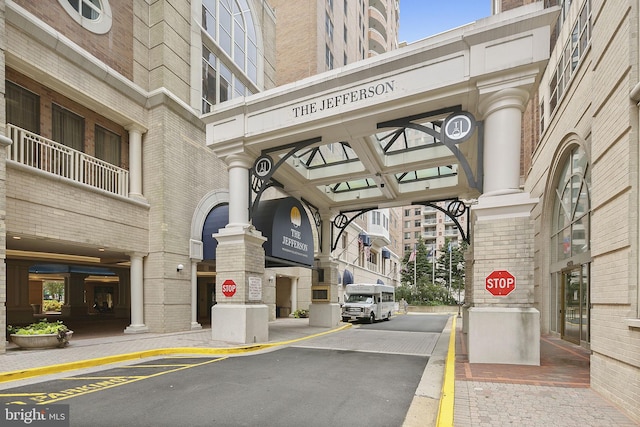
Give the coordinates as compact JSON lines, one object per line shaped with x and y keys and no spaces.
{"x":324,"y":310}
{"x":194,"y":296}
{"x":240,"y":316}
{"x":135,"y":161}
{"x":294,"y":294}
{"x":503,"y":329}
{"x":137,"y":297}
{"x":4,"y":144}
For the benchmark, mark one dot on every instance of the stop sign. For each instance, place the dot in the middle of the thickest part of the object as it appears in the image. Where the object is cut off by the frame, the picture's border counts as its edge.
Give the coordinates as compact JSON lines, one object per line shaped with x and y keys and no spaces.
{"x":500,"y":283}
{"x":229,"y":288}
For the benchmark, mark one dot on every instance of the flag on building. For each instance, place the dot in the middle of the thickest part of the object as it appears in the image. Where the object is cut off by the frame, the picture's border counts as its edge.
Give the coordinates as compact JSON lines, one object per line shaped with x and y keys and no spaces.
{"x":412,"y":257}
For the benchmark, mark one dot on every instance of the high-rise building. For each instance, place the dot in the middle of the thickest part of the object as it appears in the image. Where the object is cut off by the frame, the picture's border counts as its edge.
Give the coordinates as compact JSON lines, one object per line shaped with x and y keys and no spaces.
{"x":318,"y":36}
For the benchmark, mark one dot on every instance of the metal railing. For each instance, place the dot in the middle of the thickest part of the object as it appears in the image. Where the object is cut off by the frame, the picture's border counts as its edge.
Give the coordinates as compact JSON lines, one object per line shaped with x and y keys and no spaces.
{"x":33,"y":150}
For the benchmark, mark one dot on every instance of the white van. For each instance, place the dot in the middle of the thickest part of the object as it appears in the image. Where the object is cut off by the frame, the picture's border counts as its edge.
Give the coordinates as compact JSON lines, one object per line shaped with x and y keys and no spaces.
{"x":368,"y":302}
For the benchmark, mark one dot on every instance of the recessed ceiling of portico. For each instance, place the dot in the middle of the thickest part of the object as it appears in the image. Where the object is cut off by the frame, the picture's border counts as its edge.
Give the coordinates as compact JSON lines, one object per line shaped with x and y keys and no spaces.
{"x":370,"y":134}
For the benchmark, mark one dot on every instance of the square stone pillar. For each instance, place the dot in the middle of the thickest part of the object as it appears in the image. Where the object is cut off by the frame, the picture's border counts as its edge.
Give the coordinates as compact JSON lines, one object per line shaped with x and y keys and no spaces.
{"x":324,"y":310}
{"x":240,"y":316}
{"x":503,"y":329}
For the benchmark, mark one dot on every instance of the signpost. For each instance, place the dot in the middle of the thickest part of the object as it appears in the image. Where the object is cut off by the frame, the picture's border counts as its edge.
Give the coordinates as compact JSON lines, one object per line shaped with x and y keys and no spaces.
{"x":229,"y":288}
{"x":500,"y":283}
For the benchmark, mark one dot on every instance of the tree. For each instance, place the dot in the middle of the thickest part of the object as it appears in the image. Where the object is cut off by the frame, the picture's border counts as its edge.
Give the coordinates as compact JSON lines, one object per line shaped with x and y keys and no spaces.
{"x":451,"y":265}
{"x":423,"y":265}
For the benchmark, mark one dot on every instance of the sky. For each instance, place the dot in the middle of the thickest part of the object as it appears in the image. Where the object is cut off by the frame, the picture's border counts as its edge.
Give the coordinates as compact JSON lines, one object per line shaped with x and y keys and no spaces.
{"x":424,"y":18}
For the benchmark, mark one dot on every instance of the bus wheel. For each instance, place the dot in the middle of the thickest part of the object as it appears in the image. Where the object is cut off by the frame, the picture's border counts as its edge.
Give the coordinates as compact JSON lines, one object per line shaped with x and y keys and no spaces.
{"x":388,"y":316}
{"x":372,"y":318}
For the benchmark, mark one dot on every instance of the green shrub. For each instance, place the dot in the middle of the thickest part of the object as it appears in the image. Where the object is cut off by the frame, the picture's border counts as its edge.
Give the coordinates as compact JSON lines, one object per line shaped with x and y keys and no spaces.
{"x":300,"y":313}
{"x":40,"y":328}
{"x":51,"y":305}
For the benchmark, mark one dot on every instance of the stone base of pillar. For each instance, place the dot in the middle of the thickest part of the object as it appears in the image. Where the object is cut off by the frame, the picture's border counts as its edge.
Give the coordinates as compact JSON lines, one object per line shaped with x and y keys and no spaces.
{"x":195,"y":326}
{"x":239,"y":323}
{"x":136,"y":329}
{"x":504,"y":335}
{"x":324,"y":315}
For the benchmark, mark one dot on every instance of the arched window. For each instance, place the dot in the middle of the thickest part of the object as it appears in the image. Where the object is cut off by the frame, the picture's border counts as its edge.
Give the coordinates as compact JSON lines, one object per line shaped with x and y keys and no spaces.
{"x":570,"y":250}
{"x":229,"y":51}
{"x":572,"y":208}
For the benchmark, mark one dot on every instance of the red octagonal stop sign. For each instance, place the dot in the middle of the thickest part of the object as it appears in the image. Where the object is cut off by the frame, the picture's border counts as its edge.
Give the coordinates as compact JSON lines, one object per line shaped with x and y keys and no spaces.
{"x":500,"y":283}
{"x":229,"y":288}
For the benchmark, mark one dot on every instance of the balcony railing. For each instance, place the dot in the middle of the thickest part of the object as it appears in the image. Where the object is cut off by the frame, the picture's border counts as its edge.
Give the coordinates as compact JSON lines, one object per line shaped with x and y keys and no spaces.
{"x":49,"y":156}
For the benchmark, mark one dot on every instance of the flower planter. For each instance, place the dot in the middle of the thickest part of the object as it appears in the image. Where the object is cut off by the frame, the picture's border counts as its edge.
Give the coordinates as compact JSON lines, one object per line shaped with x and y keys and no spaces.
{"x":41,"y":341}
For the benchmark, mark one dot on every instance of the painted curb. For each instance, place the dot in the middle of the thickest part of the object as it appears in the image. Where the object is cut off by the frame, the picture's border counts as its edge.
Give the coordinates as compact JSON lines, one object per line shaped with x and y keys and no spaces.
{"x":445,"y":411}
{"x":88,"y":363}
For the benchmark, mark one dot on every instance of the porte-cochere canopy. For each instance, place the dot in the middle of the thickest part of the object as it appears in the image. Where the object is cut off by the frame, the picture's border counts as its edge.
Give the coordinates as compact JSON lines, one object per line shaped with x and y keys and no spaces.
{"x":375,"y":133}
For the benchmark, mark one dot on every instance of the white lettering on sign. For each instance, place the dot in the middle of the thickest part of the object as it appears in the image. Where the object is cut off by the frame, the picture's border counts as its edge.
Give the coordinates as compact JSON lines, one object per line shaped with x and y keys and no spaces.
{"x":288,"y":241}
{"x":229,"y":288}
{"x":500,"y":283}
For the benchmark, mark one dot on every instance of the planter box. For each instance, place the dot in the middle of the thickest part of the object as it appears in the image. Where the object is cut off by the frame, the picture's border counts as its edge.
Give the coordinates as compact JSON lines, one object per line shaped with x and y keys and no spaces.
{"x":40,"y":341}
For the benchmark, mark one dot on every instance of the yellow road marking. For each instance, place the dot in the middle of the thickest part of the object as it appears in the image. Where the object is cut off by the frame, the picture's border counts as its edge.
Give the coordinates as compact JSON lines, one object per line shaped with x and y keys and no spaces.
{"x":107,"y":384}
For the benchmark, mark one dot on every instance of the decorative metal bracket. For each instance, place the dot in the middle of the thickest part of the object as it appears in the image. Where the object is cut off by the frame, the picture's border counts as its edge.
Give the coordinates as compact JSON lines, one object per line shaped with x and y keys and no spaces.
{"x":341,"y":221}
{"x":261,"y":174}
{"x":458,"y":127}
{"x":454,"y":210}
{"x":261,"y":178}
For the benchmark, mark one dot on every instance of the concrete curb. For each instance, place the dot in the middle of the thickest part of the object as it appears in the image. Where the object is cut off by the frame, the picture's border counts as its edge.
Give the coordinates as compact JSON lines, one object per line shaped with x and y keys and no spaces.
{"x":427,"y":403}
{"x":88,"y":363}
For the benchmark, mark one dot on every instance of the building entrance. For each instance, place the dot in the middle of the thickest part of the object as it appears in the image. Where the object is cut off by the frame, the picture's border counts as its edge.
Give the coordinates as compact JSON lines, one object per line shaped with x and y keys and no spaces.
{"x":575,"y":305}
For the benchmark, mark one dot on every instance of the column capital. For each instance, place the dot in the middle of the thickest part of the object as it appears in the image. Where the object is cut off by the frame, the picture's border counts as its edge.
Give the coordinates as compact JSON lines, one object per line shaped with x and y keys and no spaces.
{"x":505,"y":98}
{"x":135,"y":127}
{"x":240,"y":160}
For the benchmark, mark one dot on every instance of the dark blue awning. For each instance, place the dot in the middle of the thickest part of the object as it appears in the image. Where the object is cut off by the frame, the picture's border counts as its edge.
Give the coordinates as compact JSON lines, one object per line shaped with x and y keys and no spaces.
{"x":347,"y":278}
{"x":63,"y":268}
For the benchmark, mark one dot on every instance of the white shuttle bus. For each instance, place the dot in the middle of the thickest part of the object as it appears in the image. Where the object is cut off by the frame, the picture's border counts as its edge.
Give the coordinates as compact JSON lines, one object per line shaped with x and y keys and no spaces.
{"x":368,"y":302}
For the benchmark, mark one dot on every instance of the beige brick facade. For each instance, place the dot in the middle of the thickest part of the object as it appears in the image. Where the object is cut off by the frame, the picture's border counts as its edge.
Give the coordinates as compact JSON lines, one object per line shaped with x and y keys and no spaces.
{"x":596,"y":113}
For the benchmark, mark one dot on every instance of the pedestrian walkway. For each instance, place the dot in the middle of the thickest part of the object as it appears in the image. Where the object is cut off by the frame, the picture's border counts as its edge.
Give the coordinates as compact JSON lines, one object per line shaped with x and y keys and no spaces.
{"x":555,"y":393}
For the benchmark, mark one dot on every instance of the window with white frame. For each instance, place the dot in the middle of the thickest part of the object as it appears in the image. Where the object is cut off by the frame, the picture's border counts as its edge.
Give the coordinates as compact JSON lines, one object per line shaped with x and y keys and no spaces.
{"x":93,"y":15}
{"x":573,"y":51}
{"x":229,"y":51}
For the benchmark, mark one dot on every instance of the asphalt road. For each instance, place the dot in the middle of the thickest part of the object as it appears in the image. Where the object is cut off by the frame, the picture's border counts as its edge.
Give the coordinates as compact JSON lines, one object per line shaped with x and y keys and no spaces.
{"x":364,"y":376}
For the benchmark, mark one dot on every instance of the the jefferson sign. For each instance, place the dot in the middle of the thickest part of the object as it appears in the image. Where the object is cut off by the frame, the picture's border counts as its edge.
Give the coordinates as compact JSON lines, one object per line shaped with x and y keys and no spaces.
{"x":344,"y":98}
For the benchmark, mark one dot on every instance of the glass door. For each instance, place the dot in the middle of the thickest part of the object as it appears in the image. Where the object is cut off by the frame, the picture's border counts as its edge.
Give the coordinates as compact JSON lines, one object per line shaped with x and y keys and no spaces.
{"x":575,"y":305}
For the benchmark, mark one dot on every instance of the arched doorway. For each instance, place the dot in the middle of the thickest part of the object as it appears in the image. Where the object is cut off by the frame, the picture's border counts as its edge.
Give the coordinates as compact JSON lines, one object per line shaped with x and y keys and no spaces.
{"x":570,"y":248}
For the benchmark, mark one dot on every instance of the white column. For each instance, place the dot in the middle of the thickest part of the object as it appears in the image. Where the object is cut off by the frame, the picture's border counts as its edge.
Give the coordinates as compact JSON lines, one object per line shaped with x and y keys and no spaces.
{"x":294,"y":294}
{"x":194,"y":296}
{"x":135,"y":160}
{"x":137,"y":297}
{"x":238,"y":167}
{"x":502,"y":114}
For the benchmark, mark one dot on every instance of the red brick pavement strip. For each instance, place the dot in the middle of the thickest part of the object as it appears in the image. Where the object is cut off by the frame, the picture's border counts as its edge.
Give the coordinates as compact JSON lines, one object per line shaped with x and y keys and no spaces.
{"x":555,"y":393}
{"x":562,"y":364}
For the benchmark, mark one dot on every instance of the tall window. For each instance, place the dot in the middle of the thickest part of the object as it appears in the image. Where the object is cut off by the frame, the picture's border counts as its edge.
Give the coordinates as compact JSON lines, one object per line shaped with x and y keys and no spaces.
{"x":572,"y":53}
{"x":23,"y":108}
{"x":569,"y":288}
{"x":572,"y":210}
{"x":229,"y":33}
{"x":107,"y":146}
{"x":329,"y":57}
{"x":67,"y":128}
